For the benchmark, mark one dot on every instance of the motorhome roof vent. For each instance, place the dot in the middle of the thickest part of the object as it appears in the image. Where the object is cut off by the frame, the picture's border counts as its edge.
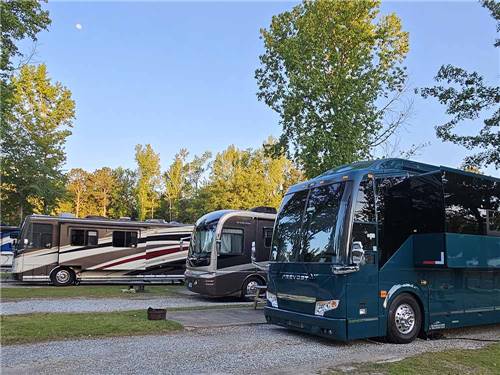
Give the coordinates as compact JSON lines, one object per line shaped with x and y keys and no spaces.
{"x":68,"y":215}
{"x":264,"y":210}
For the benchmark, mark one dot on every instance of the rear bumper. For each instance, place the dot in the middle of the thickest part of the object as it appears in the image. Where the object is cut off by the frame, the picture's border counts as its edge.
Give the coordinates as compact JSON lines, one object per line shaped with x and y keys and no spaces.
{"x":335,"y":329}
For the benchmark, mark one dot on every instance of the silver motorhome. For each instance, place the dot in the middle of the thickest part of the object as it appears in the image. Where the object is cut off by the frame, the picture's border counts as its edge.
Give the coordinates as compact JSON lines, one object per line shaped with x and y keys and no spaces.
{"x":65,"y":250}
{"x":228,"y":252}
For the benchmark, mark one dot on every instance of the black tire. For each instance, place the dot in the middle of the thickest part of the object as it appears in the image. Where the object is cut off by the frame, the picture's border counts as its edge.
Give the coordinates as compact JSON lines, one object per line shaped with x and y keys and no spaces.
{"x":62,"y":276}
{"x":404,"y":319}
{"x":246,"y":292}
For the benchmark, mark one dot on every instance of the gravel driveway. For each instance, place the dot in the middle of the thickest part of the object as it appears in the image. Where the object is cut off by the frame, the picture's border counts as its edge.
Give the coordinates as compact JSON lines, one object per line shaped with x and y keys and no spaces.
{"x":86,"y":304}
{"x":243,"y":349}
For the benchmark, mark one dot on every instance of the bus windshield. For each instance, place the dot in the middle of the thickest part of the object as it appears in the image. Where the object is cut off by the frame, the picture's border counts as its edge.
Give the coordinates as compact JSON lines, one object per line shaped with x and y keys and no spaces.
{"x":202,"y":242}
{"x":309,"y":227}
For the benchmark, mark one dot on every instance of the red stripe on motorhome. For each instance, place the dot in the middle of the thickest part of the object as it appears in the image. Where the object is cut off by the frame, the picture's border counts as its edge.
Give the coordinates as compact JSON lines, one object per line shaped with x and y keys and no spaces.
{"x":148,"y":255}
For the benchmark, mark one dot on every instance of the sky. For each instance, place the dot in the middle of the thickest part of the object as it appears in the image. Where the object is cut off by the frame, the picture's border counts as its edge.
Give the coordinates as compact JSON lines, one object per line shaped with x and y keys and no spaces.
{"x":181,"y":74}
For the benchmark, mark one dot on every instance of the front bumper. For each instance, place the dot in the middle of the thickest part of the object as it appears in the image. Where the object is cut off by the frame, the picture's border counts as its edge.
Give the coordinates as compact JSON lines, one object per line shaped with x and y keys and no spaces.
{"x":203,"y":286}
{"x":335,"y":329}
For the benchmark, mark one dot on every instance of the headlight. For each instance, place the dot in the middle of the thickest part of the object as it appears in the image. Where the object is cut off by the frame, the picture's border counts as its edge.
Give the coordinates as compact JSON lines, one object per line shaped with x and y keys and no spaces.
{"x":323,"y":306}
{"x":273,"y":300}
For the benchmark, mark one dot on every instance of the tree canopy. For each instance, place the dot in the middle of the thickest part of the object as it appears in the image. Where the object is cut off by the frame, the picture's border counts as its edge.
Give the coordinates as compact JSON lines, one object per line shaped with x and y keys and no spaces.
{"x":471,"y":102}
{"x":326,"y":66}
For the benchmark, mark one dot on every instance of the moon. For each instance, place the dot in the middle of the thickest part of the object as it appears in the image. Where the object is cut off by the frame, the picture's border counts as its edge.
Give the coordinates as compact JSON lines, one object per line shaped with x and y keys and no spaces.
{"x":79,"y":26}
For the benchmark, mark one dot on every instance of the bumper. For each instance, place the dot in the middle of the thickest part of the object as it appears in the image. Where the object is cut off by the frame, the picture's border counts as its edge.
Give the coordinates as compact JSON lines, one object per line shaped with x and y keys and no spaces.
{"x":203,"y":286}
{"x":335,"y":329}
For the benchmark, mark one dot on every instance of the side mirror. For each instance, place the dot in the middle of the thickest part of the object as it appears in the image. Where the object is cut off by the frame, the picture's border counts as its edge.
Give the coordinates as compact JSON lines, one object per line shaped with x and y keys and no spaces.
{"x":181,"y":242}
{"x":253,"y":255}
{"x":357,"y":253}
{"x":14,"y":235}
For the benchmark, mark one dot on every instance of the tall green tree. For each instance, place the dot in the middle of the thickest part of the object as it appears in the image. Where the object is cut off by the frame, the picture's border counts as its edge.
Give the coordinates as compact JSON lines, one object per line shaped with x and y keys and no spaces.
{"x":176,"y":183}
{"x":123,"y":201}
{"x":77,"y":183}
{"x":473,"y":103}
{"x":34,"y":133}
{"x":102,"y":183}
{"x":148,"y":180}
{"x":326,"y":66}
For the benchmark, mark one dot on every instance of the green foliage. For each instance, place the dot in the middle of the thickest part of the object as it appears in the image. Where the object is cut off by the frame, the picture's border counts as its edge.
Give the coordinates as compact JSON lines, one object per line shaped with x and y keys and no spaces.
{"x":470,"y":100}
{"x":20,"y":20}
{"x":325,"y":65}
{"x":148,"y":175}
{"x":34,"y":133}
{"x":123,"y":200}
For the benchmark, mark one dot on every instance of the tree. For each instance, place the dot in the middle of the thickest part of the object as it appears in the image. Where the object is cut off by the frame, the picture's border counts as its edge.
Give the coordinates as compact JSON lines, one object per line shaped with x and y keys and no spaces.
{"x":34,"y":132}
{"x":325,"y":67}
{"x":469,"y":99}
{"x":77,"y":188}
{"x":102,"y":183}
{"x":20,"y":20}
{"x":148,"y":174}
{"x":242,"y":179}
{"x":123,"y":201}
{"x":175,"y":183}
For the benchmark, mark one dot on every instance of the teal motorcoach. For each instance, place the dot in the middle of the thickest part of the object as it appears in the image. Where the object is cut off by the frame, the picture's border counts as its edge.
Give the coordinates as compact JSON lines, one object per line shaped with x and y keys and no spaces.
{"x":388,"y":248}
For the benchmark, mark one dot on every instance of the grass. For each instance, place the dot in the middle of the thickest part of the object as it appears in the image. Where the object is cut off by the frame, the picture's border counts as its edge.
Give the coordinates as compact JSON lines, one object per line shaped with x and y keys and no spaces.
{"x":483,"y":361}
{"x":30,"y":328}
{"x":95,"y":291}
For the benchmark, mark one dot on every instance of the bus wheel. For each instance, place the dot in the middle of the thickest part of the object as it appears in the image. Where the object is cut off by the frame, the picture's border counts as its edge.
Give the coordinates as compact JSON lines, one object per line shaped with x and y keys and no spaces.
{"x":249,"y":288}
{"x":62,"y":276}
{"x":405,"y":319}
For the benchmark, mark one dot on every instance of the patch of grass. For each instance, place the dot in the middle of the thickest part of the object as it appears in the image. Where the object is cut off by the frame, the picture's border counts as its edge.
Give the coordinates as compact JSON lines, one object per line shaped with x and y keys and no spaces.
{"x":30,"y":328}
{"x":483,"y":361}
{"x":95,"y":291}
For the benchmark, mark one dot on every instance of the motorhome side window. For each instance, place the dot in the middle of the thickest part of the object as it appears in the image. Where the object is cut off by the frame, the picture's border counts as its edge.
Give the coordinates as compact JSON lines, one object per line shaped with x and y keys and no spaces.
{"x":81,"y":237}
{"x":41,"y":236}
{"x":268,"y":236}
{"x":232,"y":242}
{"x":124,"y":239}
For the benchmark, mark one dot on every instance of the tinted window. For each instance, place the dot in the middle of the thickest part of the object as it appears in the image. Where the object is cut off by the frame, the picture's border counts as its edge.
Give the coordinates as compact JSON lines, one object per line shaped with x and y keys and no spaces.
{"x":77,"y":237}
{"x":494,"y":222}
{"x":231,"y":242}
{"x":268,"y":236}
{"x":320,"y":221}
{"x":365,"y":203}
{"x":286,"y":240}
{"x":92,"y":238}
{"x":467,"y":200}
{"x":41,"y":236}
{"x":124,"y":239}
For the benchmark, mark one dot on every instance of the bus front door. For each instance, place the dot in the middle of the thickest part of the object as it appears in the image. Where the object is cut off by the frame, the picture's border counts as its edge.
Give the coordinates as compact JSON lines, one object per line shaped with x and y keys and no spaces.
{"x":362,"y":286}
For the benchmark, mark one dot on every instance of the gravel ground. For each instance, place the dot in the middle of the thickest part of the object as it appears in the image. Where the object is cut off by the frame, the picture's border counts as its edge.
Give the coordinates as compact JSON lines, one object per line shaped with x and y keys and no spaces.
{"x":85,"y":304}
{"x":249,"y":349}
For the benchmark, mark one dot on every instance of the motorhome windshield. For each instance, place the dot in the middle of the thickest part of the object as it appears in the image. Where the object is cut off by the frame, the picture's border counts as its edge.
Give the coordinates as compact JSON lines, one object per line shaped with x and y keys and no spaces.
{"x":309,"y":227}
{"x":202,"y":242}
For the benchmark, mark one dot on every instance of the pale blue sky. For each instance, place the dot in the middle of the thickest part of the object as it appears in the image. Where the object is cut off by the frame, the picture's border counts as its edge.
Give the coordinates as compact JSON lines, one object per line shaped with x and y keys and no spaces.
{"x":182,"y":74}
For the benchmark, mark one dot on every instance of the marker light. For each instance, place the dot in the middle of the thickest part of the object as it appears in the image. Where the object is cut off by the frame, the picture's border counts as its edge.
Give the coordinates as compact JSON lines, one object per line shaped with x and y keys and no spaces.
{"x":323,"y":306}
{"x":273,"y":300}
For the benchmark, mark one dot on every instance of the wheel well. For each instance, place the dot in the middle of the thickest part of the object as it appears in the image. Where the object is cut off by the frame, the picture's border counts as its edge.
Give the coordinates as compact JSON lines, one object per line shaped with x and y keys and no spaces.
{"x":61,"y":267}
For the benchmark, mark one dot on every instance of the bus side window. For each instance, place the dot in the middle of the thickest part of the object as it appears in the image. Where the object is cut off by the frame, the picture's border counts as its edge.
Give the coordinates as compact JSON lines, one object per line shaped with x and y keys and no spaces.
{"x":77,"y":237}
{"x":125,"y":239}
{"x":268,"y":236}
{"x":92,"y":238}
{"x":232,"y":242}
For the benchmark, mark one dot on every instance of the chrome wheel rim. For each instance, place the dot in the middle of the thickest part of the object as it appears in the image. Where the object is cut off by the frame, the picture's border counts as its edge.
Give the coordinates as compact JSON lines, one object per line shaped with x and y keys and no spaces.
{"x":404,"y":318}
{"x":252,"y":287}
{"x":62,"y":276}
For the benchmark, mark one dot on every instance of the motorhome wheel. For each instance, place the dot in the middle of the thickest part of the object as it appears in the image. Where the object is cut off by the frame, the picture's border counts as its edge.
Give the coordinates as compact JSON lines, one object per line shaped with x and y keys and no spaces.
{"x":62,"y":276}
{"x":249,"y":288}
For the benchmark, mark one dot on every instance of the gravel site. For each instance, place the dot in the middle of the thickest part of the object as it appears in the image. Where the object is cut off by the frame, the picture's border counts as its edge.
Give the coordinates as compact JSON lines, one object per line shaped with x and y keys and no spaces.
{"x":230,"y":350}
{"x":85,"y":304}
